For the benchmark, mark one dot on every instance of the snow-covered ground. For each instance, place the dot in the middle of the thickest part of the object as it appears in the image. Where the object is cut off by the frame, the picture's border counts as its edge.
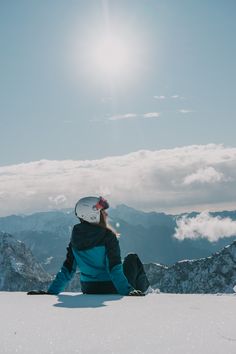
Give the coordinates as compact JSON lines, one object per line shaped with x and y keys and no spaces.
{"x":76,"y":323}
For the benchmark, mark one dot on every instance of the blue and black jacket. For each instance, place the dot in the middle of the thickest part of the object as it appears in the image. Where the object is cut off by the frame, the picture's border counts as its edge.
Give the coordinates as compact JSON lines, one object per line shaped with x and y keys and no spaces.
{"x":96,"y":251}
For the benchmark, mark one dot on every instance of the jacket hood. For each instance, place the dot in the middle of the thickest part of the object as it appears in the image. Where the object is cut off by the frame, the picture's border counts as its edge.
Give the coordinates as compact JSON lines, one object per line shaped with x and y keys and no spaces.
{"x":86,"y":235}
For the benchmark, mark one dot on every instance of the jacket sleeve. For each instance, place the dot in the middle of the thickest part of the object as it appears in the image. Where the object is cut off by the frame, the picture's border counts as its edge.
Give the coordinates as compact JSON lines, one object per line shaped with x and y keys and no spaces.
{"x":115,"y":266}
{"x":65,"y":274}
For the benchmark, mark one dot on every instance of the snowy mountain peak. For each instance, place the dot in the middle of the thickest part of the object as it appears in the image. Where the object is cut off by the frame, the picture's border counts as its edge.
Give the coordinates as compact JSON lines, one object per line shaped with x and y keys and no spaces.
{"x":18,"y":268}
{"x":214,"y":274}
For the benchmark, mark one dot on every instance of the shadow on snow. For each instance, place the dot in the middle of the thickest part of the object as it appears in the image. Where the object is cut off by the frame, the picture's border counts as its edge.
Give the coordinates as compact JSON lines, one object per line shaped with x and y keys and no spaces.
{"x":85,"y":300}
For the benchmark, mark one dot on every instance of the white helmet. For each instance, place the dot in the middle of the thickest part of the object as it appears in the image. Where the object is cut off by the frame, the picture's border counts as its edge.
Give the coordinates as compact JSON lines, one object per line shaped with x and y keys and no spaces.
{"x":89,"y":208}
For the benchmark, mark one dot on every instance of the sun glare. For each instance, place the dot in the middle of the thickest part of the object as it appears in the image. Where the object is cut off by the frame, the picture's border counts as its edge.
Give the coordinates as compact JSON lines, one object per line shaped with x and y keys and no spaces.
{"x":111,"y":56}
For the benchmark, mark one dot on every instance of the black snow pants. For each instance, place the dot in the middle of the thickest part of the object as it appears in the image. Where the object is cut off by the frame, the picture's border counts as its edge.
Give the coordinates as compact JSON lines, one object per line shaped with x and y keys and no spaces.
{"x":134,"y":272}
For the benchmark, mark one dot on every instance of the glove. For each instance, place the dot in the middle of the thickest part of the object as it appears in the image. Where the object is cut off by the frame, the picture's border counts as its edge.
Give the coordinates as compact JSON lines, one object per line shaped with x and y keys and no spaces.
{"x":136,"y":293}
{"x":38,"y":292}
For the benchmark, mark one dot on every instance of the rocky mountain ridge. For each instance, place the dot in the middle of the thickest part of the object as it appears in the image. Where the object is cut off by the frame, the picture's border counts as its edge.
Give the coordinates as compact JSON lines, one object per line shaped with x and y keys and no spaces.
{"x":213,"y":274}
{"x":19,"y":271}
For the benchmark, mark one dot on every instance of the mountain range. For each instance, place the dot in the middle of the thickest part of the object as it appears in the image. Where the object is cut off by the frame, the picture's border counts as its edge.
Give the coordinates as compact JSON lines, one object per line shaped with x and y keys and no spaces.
{"x":150,"y":235}
{"x":19,"y":271}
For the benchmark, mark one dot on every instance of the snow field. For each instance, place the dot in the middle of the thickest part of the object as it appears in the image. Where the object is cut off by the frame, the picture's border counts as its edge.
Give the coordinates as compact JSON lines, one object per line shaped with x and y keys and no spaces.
{"x":156,"y":323}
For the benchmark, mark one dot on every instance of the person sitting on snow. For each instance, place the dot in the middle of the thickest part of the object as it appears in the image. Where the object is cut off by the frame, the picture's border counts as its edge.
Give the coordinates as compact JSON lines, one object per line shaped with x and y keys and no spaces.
{"x":94,"y":248}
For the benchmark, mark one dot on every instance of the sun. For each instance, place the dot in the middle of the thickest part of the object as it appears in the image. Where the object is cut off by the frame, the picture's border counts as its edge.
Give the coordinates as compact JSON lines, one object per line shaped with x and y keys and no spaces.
{"x":111,"y":56}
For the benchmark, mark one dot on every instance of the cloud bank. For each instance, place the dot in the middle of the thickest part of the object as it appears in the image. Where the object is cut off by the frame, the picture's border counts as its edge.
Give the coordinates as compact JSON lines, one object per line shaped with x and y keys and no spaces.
{"x":189,"y":178}
{"x":205,"y":226}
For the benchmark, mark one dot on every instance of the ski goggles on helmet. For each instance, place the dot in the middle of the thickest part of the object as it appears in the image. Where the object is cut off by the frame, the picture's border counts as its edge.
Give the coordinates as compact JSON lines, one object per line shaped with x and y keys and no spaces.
{"x":102,"y":204}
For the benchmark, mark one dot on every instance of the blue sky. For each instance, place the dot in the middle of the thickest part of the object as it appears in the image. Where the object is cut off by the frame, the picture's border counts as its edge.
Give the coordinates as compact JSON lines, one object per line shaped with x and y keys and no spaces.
{"x":178,"y":88}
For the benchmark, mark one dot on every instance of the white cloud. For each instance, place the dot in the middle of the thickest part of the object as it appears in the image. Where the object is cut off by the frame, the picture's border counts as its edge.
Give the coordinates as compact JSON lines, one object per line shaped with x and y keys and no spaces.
{"x":185,"y":111}
{"x":205,"y":226}
{"x":175,"y":96}
{"x":148,"y":180}
{"x":204,"y":175}
{"x":123,"y":116}
{"x":160,"y":97}
{"x":134,"y":115}
{"x":151,"y":115}
{"x":58,"y":200}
